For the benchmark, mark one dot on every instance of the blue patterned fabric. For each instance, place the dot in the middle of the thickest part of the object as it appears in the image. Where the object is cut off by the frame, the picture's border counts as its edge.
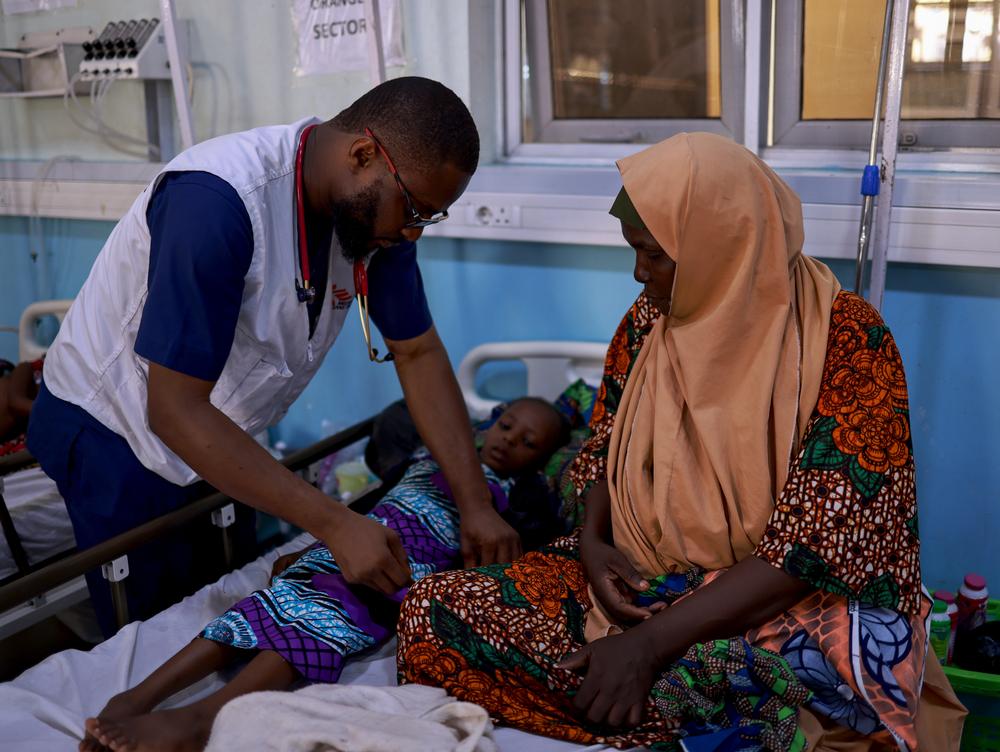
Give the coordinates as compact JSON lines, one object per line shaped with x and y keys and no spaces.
{"x":314,"y":618}
{"x":832,"y":695}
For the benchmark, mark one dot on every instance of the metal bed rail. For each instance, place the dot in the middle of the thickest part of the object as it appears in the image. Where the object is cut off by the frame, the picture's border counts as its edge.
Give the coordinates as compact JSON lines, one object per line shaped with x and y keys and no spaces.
{"x":11,"y":464}
{"x":111,"y":554}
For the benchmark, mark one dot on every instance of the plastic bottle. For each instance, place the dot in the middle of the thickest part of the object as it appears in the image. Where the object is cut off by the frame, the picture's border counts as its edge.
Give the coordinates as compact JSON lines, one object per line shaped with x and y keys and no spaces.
{"x":940,"y":632}
{"x":948,"y":597}
{"x":971,"y":602}
{"x":352,"y":478}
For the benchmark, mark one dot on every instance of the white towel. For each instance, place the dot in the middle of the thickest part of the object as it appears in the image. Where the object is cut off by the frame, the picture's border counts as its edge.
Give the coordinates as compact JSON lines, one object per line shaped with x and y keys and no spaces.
{"x":354,"y":718}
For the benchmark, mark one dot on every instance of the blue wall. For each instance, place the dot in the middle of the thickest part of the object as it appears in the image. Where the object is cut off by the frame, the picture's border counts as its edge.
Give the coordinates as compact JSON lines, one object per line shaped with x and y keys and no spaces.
{"x":945,"y":321}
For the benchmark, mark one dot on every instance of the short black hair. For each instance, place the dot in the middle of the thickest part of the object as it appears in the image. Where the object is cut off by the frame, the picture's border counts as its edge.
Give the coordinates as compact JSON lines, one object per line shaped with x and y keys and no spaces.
{"x":563,"y":436}
{"x":420,"y":120}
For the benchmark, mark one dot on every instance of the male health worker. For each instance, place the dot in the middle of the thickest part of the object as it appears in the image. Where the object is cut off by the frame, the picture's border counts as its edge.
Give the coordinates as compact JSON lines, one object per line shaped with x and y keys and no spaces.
{"x":214,"y":302}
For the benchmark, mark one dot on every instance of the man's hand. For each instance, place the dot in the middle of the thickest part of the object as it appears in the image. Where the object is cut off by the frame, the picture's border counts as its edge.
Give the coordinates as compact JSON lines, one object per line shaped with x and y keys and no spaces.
{"x":619,"y":673}
{"x":369,"y":554}
{"x":182,"y":415}
{"x":614,"y":581}
{"x":487,"y":538}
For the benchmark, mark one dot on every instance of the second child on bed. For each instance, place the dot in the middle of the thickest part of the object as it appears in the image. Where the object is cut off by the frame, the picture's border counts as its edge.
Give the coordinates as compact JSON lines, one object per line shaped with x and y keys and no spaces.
{"x":311,"y":621}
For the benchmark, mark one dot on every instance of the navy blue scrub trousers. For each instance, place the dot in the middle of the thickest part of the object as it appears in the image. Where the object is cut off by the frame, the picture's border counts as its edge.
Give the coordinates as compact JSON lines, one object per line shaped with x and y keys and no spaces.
{"x":108,"y":491}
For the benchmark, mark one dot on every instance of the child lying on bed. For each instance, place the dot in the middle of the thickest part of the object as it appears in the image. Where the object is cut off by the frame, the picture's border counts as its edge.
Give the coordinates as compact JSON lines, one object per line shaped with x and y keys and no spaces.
{"x":310,"y":621}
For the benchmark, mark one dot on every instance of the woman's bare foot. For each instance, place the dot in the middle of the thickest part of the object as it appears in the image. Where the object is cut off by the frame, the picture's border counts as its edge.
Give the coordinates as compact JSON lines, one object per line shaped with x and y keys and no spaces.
{"x":178,"y":730}
{"x":127,"y":704}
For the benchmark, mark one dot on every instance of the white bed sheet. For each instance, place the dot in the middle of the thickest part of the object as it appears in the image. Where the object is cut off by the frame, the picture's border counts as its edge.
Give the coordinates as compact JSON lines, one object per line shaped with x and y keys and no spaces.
{"x":39,"y":516}
{"x":44,"y":708}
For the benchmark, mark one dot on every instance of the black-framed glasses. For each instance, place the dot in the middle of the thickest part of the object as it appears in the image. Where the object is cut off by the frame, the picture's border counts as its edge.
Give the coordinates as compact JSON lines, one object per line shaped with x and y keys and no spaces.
{"x":416,"y":218}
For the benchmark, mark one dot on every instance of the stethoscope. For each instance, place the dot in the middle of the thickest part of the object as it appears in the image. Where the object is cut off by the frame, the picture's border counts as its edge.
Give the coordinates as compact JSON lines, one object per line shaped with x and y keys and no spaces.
{"x":305,"y":292}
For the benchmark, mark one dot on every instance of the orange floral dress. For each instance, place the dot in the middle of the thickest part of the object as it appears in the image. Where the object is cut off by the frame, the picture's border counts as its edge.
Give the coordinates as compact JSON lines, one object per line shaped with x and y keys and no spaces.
{"x":853,"y":651}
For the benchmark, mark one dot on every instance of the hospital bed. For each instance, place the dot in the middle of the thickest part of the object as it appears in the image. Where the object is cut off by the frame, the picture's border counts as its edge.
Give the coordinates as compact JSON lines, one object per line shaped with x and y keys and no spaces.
{"x":35,"y":526}
{"x":39,"y":521}
{"x":33,"y":518}
{"x":44,"y":708}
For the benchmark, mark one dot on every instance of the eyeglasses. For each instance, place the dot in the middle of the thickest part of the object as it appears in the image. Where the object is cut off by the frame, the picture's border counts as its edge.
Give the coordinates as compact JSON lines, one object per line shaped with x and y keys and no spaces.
{"x":416,"y":218}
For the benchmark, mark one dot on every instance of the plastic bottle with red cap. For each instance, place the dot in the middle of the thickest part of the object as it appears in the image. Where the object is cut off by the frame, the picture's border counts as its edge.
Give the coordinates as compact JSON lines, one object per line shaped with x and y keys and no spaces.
{"x":949,"y":598}
{"x":971,"y":601}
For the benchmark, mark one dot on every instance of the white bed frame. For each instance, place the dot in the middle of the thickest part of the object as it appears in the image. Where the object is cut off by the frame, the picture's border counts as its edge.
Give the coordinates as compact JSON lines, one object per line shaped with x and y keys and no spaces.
{"x":551,"y":366}
{"x":28,"y":346}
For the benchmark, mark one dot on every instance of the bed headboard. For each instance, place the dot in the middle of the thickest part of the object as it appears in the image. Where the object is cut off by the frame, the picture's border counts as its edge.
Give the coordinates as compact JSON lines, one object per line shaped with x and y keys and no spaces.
{"x":29,"y":348}
{"x":551,"y":366}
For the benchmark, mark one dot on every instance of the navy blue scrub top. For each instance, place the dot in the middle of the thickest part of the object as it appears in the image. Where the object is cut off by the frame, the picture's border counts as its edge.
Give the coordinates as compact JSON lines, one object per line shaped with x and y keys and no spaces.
{"x":201,"y":246}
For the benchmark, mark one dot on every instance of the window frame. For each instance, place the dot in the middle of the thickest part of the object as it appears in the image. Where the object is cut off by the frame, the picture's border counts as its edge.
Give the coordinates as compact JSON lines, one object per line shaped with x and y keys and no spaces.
{"x":790,"y":130}
{"x":604,"y":139}
{"x":946,"y":206}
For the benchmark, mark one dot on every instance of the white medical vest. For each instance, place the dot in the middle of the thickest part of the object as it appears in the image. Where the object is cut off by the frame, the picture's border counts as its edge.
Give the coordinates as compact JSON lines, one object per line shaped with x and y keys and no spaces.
{"x":93,"y":363}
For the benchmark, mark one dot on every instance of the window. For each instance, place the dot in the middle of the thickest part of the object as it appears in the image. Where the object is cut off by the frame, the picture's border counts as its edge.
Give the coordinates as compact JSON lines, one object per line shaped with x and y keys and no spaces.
{"x":826,"y":59}
{"x":607,"y":71}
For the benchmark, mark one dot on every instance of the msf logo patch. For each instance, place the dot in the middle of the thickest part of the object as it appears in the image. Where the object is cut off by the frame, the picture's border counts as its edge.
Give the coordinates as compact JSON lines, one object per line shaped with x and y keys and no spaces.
{"x":340,"y":298}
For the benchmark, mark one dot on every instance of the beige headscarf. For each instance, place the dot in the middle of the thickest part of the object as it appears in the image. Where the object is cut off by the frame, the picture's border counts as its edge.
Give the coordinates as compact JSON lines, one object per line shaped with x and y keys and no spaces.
{"x":722,"y":390}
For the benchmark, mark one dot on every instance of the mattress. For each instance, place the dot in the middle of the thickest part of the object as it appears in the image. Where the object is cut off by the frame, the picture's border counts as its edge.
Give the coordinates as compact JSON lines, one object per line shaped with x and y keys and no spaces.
{"x":44,"y":708}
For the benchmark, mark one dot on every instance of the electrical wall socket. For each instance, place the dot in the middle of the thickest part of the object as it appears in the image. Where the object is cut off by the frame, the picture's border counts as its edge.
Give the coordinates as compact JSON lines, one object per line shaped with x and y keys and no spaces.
{"x":495,"y":215}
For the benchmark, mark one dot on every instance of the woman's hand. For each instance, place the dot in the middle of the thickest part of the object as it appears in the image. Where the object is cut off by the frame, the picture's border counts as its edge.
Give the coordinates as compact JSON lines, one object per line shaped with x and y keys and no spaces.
{"x":612,"y":577}
{"x":614,"y":581}
{"x":620,"y":671}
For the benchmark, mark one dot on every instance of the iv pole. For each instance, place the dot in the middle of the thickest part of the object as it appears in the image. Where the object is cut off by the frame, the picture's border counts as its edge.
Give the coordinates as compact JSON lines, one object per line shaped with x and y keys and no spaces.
{"x":881,"y":179}
{"x":890,"y":145}
{"x":870,"y":177}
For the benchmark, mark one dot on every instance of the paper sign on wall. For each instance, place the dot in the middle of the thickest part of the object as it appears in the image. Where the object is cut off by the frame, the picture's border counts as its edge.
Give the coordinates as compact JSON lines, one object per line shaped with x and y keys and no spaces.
{"x":333,"y":35}
{"x":35,"y":6}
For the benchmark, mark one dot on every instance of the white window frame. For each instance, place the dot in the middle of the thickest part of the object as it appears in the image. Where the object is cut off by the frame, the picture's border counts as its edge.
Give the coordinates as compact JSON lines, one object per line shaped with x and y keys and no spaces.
{"x":791,"y":131}
{"x":946,"y":203}
{"x":564,"y":144}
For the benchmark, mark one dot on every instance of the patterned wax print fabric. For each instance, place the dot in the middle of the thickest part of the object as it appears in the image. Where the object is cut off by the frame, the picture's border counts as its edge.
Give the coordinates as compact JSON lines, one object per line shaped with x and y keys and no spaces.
{"x":314,"y":619}
{"x":576,"y":403}
{"x":852,"y":651}
{"x":592,"y":460}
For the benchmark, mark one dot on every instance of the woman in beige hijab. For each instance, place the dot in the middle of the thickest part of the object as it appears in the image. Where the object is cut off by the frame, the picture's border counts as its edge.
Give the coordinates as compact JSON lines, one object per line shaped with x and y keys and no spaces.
{"x":748,"y":568}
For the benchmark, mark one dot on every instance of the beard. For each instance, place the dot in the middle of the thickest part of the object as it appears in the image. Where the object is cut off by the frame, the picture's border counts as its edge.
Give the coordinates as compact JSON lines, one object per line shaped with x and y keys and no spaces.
{"x":354,"y":223}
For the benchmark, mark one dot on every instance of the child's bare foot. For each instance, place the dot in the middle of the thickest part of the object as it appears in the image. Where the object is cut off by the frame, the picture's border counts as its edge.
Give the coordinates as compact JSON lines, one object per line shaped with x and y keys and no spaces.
{"x":178,"y":730}
{"x":124,"y":705}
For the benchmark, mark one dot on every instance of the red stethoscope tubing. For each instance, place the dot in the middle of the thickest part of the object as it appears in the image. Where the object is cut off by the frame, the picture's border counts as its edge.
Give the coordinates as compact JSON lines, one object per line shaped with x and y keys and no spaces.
{"x":301,"y":209}
{"x":360,"y":275}
{"x":360,"y":278}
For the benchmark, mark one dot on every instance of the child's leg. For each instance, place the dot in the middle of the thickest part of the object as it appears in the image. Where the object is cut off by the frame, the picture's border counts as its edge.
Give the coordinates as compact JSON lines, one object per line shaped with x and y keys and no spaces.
{"x":189,"y":727}
{"x":196,"y":660}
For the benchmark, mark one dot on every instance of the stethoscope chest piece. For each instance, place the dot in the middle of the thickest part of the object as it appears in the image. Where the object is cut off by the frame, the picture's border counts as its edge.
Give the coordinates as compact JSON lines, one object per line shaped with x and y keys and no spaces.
{"x":305,"y":294}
